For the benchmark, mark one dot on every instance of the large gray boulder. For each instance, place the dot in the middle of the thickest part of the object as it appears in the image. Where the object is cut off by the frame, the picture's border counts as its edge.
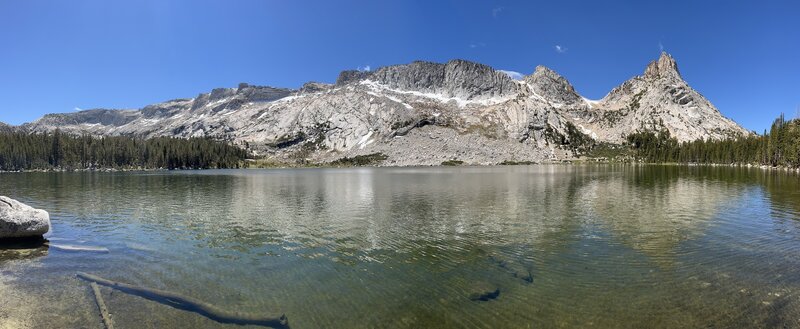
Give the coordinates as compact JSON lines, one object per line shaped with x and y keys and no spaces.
{"x":18,"y":220}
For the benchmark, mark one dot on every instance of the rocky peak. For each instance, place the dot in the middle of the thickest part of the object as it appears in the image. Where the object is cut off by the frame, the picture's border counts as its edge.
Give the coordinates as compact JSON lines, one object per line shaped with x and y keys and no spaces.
{"x":660,"y":99}
{"x":232,"y":98}
{"x":474,"y":80}
{"x":552,"y":86}
{"x":664,"y":66}
{"x":418,"y":76}
{"x":252,"y":93}
{"x":5,"y":127}
{"x":93,"y":116}
{"x":220,"y":93}
{"x":349,"y":76}
{"x":314,"y":87}
{"x":456,"y":78}
{"x":420,"y":100}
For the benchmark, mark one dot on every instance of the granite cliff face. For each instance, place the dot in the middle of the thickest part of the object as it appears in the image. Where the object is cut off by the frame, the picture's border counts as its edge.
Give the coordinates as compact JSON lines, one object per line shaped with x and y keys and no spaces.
{"x":658,"y":99}
{"x":421,"y":113}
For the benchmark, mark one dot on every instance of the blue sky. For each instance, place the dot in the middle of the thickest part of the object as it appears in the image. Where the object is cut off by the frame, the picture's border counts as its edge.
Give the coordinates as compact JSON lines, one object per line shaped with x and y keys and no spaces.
{"x":59,"y":56}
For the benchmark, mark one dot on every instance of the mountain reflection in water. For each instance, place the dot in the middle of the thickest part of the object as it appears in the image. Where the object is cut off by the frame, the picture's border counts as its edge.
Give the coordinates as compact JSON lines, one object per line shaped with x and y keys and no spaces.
{"x":571,"y":246}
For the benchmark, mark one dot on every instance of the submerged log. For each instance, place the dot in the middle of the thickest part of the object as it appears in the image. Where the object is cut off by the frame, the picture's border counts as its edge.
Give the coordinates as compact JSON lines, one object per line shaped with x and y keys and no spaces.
{"x":102,"y":306}
{"x":190,"y":304}
{"x":516,"y":270}
{"x":68,"y":247}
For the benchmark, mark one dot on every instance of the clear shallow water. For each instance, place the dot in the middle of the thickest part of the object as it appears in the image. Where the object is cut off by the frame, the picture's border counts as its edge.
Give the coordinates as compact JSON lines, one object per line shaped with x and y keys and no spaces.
{"x":605,"y":246}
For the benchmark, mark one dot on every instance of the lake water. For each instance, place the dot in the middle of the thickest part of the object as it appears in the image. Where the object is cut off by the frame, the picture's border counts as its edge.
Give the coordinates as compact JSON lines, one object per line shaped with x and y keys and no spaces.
{"x":567,"y":246}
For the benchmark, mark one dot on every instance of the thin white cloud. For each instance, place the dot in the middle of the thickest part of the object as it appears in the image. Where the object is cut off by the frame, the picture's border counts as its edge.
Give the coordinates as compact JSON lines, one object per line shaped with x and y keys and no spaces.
{"x":78,"y":109}
{"x":496,"y":11}
{"x":364,"y":68}
{"x":660,"y":46}
{"x":477,"y":44}
{"x":560,"y":49}
{"x":513,"y":74}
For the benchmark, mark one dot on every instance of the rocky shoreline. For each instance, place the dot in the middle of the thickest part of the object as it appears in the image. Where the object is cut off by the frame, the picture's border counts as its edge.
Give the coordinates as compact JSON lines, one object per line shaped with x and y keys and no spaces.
{"x":351,"y":162}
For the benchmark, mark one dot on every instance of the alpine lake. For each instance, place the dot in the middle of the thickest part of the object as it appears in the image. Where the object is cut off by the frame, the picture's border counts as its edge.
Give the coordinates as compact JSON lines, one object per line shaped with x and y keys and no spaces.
{"x":540,"y":246}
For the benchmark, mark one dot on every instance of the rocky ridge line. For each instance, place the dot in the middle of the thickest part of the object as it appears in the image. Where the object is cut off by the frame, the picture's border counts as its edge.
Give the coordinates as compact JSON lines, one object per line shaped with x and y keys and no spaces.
{"x":421,"y":113}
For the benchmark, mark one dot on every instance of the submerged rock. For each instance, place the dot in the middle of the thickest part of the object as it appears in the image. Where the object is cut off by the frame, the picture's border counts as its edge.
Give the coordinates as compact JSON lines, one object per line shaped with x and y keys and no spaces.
{"x":18,"y":220}
{"x":483,"y":291}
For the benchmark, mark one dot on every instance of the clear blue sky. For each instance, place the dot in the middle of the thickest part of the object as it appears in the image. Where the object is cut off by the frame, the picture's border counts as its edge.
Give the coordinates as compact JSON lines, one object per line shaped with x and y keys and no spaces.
{"x":57,"y":56}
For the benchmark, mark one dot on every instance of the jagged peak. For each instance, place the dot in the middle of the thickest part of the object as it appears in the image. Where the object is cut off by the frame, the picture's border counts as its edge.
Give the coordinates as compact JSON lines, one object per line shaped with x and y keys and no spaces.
{"x":541,"y":69}
{"x":543,"y":72}
{"x":430,"y":68}
{"x":467,"y":63}
{"x":546,"y":82}
{"x":455,"y":78}
{"x":314,"y":87}
{"x":348,"y":76}
{"x":664,"y":66}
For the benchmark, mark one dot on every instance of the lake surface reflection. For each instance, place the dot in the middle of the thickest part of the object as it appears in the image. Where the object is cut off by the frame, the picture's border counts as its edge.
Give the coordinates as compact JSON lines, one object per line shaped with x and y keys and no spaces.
{"x":567,"y":246}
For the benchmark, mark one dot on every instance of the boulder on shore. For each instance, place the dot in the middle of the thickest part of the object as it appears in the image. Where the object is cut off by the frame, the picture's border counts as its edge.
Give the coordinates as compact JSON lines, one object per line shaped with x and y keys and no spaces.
{"x":19,"y":221}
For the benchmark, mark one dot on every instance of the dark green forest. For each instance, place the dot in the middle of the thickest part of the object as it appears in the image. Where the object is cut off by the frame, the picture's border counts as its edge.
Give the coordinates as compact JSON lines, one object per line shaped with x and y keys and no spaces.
{"x":57,"y":150}
{"x":780,"y":146}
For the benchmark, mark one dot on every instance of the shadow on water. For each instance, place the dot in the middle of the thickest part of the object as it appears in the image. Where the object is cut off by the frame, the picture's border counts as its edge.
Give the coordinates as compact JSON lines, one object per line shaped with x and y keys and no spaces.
{"x":22,"y":249}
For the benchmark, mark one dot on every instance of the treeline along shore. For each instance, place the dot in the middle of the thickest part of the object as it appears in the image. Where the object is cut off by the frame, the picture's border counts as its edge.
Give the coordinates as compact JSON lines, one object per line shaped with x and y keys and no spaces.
{"x":60,"y":151}
{"x":778,"y":147}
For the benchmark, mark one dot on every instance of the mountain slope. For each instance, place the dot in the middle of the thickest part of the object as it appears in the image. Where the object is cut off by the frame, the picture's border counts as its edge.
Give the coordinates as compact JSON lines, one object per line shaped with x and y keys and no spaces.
{"x":658,"y":99}
{"x":421,"y":113}
{"x":5,"y":127}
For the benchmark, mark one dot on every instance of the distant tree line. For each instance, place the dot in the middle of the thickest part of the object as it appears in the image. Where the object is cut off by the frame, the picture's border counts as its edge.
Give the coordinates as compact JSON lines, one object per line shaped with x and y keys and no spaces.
{"x":57,"y":150}
{"x":778,"y":147}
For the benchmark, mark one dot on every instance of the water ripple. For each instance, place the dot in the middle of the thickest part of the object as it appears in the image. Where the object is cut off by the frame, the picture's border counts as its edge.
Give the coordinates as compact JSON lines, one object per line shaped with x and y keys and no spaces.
{"x":567,"y":246}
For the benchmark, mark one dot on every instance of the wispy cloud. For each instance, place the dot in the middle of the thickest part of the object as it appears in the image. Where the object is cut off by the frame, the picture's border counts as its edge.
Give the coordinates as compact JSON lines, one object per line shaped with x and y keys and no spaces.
{"x":78,"y":109}
{"x":660,"y":46}
{"x":513,"y":74}
{"x":477,"y":44}
{"x":560,"y":49}
{"x":496,"y":11}
{"x":365,"y":68}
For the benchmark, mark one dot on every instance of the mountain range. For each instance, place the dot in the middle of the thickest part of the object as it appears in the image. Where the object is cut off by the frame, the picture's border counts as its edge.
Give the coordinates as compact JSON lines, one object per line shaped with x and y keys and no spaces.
{"x":421,"y":113}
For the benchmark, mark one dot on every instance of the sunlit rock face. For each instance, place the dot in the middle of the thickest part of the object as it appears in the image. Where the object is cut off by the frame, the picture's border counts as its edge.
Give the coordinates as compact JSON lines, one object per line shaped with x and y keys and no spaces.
{"x":18,"y":220}
{"x":533,"y":119}
{"x":661,"y":99}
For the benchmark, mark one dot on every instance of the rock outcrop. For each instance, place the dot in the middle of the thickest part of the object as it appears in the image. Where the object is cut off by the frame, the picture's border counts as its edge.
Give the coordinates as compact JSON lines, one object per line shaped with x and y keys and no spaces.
{"x":551,"y":86}
{"x":5,"y":127}
{"x":18,"y":220}
{"x":660,"y":99}
{"x":422,"y":113}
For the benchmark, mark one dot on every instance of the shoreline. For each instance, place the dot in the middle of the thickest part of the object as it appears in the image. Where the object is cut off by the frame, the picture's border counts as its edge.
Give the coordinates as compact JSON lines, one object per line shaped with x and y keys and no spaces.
{"x":578,"y":161}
